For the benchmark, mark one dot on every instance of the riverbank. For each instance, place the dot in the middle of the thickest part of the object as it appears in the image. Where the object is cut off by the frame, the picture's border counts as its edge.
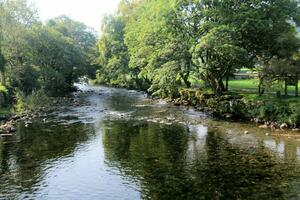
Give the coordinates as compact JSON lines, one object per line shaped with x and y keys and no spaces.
{"x":266,"y":112}
{"x":276,"y":114}
{"x":10,"y":117}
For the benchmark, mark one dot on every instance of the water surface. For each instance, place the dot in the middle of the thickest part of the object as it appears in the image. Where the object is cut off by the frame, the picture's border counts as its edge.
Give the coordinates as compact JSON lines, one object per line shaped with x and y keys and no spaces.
{"x":121,"y":145}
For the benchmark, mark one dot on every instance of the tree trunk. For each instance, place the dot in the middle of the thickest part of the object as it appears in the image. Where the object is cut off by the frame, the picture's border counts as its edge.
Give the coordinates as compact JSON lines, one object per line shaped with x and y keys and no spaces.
{"x":221,"y":85}
{"x":227,"y":80}
{"x":217,"y":86}
{"x":185,"y":80}
{"x":261,"y":89}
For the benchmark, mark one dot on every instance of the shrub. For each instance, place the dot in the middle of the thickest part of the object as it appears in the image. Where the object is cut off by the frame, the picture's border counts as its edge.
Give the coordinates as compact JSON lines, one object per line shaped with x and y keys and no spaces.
{"x":295,"y":115}
{"x":35,"y":100}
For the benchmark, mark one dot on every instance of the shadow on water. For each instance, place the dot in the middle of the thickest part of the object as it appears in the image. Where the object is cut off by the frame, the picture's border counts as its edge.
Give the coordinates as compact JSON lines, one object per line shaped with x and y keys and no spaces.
{"x":171,"y":162}
{"x":121,"y":145}
{"x":24,"y":157}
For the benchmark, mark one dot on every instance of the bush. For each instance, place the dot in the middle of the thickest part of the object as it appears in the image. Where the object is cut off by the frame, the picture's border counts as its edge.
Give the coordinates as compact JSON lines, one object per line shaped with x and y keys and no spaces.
{"x":165,"y":81}
{"x":295,"y":116}
{"x":35,"y":100}
{"x":270,"y":111}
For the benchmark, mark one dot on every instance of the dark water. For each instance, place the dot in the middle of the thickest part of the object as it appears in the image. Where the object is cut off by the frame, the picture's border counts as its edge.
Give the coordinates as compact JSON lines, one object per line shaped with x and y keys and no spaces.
{"x":121,"y":145}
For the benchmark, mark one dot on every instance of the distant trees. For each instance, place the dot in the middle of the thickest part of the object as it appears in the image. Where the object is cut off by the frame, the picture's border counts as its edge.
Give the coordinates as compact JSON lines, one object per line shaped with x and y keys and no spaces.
{"x":47,"y":56}
{"x":160,"y":44}
{"x":113,"y":57}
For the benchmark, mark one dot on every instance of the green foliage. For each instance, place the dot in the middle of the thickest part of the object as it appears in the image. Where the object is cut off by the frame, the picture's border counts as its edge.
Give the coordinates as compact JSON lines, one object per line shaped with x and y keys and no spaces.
{"x":295,"y":115}
{"x":274,"y":112}
{"x":209,"y":39}
{"x":113,"y":58}
{"x":49,"y":56}
{"x":3,"y":89}
{"x":31,"y":102}
{"x":165,"y":81}
{"x":217,"y":54}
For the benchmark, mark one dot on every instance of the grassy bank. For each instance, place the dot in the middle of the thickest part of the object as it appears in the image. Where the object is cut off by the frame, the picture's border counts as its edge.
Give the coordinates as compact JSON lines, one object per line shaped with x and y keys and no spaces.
{"x":267,"y":109}
{"x":251,"y":86}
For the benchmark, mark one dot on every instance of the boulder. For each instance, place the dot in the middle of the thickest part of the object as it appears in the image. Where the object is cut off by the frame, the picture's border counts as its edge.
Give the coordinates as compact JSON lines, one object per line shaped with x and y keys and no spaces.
{"x":7,"y":128}
{"x":283,"y":126}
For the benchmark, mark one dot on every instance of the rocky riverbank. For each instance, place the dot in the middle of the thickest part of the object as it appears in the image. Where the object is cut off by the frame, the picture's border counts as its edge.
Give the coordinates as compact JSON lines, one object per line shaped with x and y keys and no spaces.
{"x":8,"y":123}
{"x":266,"y":115}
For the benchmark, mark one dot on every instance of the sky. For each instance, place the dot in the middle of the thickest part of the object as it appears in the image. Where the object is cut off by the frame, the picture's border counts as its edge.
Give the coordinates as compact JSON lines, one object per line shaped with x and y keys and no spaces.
{"x":89,"y":12}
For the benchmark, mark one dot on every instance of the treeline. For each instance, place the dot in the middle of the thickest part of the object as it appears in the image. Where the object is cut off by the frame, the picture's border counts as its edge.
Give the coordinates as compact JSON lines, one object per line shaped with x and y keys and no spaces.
{"x":42,"y":58}
{"x":162,"y":45}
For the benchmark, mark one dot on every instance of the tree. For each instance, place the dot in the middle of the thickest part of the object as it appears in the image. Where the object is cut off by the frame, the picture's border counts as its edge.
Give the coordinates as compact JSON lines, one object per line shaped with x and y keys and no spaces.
{"x":217,"y":54}
{"x":50,"y":57}
{"x":16,"y":17}
{"x":153,"y":45}
{"x":59,"y":60}
{"x":113,"y":53}
{"x":263,"y":29}
{"x":84,"y":37}
{"x":283,"y":70}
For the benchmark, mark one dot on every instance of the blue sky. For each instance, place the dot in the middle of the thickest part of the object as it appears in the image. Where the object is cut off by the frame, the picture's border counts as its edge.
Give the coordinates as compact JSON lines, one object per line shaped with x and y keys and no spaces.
{"x":88,"y":11}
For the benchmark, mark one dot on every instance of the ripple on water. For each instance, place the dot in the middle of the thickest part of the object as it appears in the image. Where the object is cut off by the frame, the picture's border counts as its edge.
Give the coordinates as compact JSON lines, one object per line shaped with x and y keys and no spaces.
{"x":120,"y":145}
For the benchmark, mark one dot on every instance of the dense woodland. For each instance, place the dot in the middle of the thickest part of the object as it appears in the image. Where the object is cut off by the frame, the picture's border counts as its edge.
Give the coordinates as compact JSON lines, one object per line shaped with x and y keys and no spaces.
{"x":42,"y":59}
{"x":162,"y":45}
{"x":159,"y":46}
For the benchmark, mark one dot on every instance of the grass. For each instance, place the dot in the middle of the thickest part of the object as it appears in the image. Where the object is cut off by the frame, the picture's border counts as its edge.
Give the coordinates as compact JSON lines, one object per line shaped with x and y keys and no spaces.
{"x":248,"y":88}
{"x":251,"y":85}
{"x":240,"y":85}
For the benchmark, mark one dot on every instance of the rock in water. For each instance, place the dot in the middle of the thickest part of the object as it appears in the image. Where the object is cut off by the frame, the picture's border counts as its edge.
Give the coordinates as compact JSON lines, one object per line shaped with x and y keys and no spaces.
{"x":265,"y":126}
{"x":283,"y":126}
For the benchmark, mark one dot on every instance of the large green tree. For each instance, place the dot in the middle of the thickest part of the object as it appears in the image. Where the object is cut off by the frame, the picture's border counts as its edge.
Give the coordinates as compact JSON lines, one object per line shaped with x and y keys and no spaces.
{"x":113,"y":53}
{"x":263,"y":29}
{"x":49,"y":56}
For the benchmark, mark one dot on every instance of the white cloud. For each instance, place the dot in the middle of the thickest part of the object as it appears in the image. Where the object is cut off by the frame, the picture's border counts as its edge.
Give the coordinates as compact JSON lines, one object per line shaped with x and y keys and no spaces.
{"x":88,"y":11}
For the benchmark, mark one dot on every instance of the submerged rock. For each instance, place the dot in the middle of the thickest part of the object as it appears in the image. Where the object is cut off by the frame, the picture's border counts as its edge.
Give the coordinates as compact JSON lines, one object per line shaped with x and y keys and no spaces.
{"x":264,"y":126}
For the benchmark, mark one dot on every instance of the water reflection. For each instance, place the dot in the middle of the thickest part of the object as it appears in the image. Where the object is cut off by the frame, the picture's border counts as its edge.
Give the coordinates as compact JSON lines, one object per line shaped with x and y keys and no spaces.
{"x":196,"y":163}
{"x":120,"y":145}
{"x":23,"y":158}
{"x":287,"y":151}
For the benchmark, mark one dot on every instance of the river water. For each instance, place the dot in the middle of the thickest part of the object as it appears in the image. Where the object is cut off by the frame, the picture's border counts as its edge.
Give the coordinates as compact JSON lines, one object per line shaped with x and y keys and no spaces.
{"x":121,"y":145}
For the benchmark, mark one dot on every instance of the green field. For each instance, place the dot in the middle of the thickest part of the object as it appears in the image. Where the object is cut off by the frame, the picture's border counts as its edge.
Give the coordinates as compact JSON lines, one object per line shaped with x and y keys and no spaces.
{"x":251,"y":85}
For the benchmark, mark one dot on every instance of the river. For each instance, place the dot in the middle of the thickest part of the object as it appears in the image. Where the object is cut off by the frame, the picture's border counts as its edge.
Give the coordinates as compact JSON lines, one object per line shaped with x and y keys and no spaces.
{"x":119,"y":144}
